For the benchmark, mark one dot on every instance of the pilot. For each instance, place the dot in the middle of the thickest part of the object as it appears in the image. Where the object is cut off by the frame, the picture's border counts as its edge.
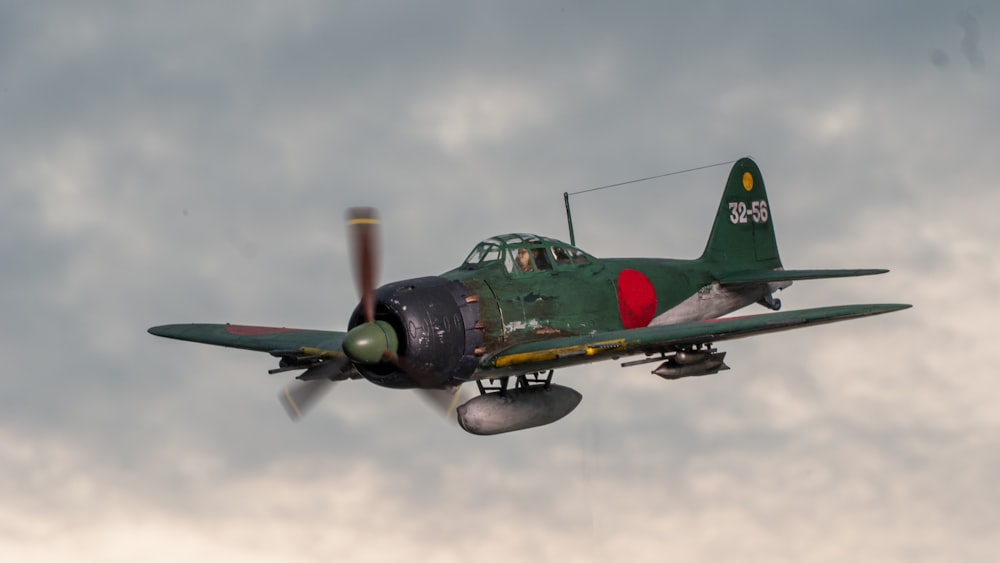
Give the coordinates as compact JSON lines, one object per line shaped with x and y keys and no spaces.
{"x":524,"y":260}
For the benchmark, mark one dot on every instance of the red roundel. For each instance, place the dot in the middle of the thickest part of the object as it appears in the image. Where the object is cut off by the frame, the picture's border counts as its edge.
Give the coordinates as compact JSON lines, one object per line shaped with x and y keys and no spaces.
{"x":636,"y":299}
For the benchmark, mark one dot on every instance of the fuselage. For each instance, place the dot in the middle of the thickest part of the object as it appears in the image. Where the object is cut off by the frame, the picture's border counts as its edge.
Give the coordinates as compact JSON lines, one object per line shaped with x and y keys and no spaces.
{"x":599,"y":296}
{"x":562,"y":291}
{"x":520,"y":288}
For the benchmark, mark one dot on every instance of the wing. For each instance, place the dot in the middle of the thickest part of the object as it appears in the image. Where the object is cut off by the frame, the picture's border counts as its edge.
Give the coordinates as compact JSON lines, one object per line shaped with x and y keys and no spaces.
{"x":765,"y":276}
{"x":318,"y":352}
{"x":322,"y":343}
{"x":571,"y":350}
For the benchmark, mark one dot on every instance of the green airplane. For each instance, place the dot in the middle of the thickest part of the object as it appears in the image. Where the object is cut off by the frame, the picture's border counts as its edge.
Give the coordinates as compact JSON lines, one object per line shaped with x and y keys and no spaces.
{"x":522,"y":305}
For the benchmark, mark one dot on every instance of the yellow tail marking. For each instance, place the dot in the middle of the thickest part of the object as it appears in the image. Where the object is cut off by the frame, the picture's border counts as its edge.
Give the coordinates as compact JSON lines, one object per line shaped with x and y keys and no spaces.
{"x":747,"y":181}
{"x":363,"y":221}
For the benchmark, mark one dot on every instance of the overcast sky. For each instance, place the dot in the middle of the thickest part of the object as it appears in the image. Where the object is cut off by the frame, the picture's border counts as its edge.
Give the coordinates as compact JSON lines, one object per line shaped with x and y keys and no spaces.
{"x":192,"y":162}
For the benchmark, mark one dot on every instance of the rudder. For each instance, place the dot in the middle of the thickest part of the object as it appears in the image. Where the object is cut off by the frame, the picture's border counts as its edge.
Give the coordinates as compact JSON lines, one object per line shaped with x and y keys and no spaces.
{"x":743,"y":234}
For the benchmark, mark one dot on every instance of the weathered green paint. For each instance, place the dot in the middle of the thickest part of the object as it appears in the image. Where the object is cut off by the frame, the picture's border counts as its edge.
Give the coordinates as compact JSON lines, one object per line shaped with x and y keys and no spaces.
{"x":562,"y":300}
{"x":570,"y":302}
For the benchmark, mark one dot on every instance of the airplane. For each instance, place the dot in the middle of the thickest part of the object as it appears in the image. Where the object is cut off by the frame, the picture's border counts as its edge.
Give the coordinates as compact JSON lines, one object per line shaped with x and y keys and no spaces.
{"x":522,"y":305}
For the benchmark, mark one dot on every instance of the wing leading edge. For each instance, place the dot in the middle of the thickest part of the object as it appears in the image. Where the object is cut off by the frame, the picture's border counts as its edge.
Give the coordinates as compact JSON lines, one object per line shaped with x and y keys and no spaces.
{"x":258,"y":338}
{"x":571,"y":350}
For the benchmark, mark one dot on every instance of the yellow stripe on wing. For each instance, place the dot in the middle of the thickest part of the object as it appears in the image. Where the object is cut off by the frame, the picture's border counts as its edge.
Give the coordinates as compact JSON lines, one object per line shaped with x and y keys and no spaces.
{"x":552,"y":354}
{"x":321,"y":352}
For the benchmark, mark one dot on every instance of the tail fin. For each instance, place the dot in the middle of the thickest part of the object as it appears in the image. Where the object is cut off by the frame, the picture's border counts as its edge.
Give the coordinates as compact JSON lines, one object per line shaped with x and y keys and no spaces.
{"x":742,"y":237}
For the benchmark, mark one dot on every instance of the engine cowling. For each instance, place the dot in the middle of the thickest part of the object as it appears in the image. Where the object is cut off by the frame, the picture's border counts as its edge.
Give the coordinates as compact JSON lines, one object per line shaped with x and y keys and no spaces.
{"x":434,"y":320}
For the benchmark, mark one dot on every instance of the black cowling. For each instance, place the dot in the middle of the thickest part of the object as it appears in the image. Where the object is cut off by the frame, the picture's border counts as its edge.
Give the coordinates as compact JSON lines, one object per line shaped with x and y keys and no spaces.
{"x":435,"y":324}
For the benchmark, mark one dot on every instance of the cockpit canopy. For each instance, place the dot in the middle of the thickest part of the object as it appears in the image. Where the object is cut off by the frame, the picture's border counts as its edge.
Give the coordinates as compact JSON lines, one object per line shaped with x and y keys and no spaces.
{"x":523,"y":254}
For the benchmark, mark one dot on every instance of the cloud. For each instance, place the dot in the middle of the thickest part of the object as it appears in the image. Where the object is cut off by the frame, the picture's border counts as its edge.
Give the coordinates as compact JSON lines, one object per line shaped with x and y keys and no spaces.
{"x":461,"y":116}
{"x":194,"y":164}
{"x":969,"y":22}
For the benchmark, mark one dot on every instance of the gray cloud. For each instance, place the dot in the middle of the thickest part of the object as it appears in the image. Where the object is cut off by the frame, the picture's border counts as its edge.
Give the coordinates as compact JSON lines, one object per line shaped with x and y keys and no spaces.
{"x":969,"y":22}
{"x":193,"y":163}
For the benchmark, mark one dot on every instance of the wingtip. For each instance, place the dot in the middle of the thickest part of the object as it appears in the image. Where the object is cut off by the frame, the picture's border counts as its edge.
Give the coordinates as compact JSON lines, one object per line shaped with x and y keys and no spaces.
{"x":168,"y":331}
{"x":159,"y":330}
{"x":882,"y":308}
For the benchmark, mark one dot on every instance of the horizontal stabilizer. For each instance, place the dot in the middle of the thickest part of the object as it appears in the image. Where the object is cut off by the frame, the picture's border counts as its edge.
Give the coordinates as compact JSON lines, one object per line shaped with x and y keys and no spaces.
{"x":767,"y":276}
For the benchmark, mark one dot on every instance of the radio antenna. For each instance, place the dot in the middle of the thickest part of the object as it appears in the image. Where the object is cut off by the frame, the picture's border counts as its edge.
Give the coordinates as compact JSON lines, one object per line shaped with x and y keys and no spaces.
{"x":569,"y":215}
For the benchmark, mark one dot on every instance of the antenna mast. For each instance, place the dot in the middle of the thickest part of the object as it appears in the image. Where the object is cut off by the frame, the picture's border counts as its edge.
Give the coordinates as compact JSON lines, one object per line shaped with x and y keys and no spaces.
{"x":569,"y":219}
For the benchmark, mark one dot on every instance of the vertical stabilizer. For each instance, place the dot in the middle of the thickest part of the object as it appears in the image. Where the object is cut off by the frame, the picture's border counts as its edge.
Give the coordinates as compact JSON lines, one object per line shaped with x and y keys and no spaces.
{"x":742,"y":237}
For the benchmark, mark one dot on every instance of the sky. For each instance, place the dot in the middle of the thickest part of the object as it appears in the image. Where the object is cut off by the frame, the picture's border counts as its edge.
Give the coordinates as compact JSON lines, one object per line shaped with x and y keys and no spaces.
{"x":193,"y":161}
